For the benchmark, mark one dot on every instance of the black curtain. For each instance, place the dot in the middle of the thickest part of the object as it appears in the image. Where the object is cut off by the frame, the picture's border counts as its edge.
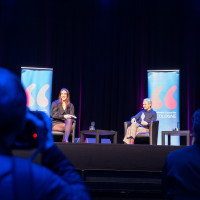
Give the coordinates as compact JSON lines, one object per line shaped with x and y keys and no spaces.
{"x":101,"y":50}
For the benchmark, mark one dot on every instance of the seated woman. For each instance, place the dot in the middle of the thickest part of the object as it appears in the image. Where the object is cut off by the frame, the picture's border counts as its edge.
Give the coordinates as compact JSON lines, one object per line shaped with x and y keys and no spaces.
{"x":62,"y":112}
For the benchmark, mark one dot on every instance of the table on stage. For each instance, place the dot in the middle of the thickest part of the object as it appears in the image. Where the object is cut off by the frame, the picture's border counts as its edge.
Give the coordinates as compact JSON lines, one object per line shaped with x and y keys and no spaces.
{"x":176,"y":133}
{"x":98,"y":133}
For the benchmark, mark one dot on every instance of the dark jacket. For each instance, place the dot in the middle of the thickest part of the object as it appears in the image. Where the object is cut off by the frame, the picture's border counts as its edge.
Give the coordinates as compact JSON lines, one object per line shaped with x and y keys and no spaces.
{"x":56,"y":179}
{"x":57,"y":112}
{"x":181,"y":174}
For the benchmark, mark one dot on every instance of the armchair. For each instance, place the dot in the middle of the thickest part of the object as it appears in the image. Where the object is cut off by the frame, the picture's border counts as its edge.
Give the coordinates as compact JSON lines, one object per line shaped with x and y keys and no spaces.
{"x":61,"y":133}
{"x":150,"y":137}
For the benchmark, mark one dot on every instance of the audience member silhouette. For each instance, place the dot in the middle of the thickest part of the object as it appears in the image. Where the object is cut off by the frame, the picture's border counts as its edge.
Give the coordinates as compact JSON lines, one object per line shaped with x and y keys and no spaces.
{"x":181,"y":172}
{"x":20,"y":178}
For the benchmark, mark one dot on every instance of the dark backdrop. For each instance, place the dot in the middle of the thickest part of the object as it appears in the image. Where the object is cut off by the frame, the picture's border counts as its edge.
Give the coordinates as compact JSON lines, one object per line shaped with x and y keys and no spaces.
{"x":101,"y":50}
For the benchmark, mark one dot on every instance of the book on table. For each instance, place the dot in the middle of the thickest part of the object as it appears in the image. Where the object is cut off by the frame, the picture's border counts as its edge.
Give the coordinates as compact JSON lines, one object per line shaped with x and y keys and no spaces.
{"x":71,"y":116}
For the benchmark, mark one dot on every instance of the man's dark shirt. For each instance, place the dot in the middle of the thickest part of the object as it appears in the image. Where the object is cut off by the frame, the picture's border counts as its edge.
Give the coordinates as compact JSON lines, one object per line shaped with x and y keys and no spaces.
{"x":150,"y":115}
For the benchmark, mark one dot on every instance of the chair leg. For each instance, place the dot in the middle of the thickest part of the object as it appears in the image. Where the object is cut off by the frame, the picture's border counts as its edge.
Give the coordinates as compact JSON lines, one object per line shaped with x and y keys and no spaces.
{"x":73,"y":136}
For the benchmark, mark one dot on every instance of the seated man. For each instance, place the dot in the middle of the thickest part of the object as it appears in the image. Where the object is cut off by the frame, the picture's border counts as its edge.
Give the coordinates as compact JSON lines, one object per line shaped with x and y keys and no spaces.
{"x":181,"y":172}
{"x":140,"y":122}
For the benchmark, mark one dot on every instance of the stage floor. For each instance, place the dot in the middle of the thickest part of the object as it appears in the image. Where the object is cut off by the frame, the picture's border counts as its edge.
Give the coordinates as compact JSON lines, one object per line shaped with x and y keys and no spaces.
{"x":117,"y":171}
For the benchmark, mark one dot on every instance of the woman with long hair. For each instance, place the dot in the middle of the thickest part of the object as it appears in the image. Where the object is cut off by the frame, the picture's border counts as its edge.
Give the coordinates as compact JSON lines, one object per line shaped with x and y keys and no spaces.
{"x":62,"y":111}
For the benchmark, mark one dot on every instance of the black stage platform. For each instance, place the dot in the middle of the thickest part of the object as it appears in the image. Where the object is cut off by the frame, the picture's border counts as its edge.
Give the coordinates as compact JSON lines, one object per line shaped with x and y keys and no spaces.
{"x":117,"y":171}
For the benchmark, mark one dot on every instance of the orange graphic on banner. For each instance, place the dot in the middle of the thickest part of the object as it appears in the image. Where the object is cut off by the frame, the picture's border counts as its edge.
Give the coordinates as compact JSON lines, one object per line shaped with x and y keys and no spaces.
{"x":156,"y":102}
{"x":170,"y":102}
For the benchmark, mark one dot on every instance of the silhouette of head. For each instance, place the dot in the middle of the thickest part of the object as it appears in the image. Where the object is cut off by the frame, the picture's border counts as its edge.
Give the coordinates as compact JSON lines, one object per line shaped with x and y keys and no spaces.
{"x":12,"y":104}
{"x":196,"y":125}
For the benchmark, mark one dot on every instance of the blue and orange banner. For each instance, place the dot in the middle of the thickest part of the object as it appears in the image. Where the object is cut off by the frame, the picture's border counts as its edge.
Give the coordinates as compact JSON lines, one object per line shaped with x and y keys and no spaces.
{"x":37,"y":83}
{"x":163,"y":89}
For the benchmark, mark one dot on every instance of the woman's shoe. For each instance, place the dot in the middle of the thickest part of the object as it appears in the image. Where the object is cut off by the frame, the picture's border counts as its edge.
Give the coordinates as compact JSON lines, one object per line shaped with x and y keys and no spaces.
{"x":65,"y":141}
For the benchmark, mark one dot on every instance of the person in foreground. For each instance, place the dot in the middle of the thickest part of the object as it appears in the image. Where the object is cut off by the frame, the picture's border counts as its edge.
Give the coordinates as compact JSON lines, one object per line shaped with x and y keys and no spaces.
{"x":140,"y":122}
{"x":62,"y":113}
{"x":181,"y":172}
{"x":21,"y":179}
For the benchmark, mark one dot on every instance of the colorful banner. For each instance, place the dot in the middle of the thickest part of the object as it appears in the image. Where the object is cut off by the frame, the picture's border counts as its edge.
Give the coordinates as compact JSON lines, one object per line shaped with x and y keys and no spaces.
{"x":163,"y":89}
{"x":37,"y":83}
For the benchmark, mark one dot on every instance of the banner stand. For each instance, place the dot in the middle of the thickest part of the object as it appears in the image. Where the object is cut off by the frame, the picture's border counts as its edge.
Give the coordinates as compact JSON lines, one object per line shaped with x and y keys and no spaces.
{"x":37,"y":83}
{"x":163,"y":89}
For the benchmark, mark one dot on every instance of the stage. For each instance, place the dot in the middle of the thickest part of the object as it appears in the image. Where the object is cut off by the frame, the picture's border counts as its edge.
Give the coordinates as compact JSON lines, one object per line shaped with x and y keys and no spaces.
{"x":117,"y":171}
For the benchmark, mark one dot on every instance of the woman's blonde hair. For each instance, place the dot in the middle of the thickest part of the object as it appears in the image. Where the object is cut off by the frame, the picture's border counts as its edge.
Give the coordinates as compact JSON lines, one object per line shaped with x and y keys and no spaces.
{"x":68,"y":96}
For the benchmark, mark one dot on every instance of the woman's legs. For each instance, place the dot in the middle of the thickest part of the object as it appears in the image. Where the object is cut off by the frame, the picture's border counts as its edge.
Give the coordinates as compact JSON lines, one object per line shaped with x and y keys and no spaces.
{"x":67,"y":127}
{"x":59,"y":127}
